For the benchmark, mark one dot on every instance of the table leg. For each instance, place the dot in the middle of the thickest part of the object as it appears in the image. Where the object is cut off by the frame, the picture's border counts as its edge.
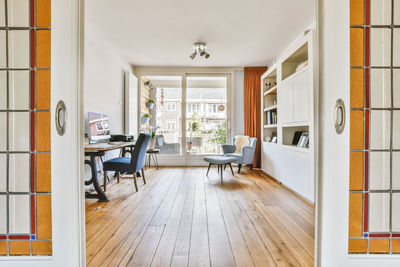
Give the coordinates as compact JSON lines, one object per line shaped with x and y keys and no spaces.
{"x":209,"y":165}
{"x":155,"y":155}
{"x":230,"y":165}
{"x":101,"y":196}
{"x":222,"y":172}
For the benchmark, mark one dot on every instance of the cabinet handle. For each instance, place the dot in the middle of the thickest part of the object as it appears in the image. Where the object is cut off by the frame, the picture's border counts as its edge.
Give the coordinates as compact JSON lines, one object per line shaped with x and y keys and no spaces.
{"x":340,"y":116}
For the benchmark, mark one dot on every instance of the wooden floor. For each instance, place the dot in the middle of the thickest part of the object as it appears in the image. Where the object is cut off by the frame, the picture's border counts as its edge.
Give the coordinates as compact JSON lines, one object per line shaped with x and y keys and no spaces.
{"x":181,"y":217}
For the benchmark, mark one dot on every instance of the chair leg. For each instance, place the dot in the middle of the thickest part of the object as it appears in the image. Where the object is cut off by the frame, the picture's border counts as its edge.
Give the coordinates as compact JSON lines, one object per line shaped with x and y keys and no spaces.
{"x":222,"y":173}
{"x":118,"y":176}
{"x":239,"y":167}
{"x":251,"y":167}
{"x":224,"y":167}
{"x":144,"y":179}
{"x":105,"y":181}
{"x":230,"y":165}
{"x":209,"y":165}
{"x":134,"y":180}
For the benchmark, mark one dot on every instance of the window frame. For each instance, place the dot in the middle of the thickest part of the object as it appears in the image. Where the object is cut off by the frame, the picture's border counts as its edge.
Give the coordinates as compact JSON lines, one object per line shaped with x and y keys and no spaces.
{"x":185,"y":158}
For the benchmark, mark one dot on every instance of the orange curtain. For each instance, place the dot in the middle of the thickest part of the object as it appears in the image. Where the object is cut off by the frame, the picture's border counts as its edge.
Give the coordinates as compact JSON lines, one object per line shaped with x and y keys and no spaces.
{"x":252,"y":107}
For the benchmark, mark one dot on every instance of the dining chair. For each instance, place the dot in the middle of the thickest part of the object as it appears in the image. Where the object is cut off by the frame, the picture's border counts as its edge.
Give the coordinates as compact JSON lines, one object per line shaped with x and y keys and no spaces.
{"x":132,"y":164}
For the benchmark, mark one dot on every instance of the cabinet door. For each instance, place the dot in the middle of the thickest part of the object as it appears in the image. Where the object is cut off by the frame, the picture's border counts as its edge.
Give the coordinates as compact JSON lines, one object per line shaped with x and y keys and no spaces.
{"x":285,"y":108}
{"x":300,"y":97}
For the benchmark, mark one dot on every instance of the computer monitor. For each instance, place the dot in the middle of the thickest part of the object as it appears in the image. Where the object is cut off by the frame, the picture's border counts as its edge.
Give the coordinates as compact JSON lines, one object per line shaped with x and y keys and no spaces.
{"x":98,"y":127}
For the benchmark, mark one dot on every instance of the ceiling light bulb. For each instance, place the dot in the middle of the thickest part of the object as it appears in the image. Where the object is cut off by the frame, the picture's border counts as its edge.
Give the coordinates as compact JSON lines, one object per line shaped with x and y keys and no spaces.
{"x":192,"y":56}
{"x":199,"y":48}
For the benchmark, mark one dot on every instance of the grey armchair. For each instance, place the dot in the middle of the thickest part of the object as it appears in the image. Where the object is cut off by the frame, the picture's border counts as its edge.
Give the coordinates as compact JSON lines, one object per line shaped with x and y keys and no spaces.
{"x":245,"y":157}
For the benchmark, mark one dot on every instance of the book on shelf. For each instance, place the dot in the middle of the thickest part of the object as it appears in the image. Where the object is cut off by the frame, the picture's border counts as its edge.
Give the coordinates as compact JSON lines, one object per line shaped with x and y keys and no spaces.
{"x":303,"y":140}
{"x":272,"y":117}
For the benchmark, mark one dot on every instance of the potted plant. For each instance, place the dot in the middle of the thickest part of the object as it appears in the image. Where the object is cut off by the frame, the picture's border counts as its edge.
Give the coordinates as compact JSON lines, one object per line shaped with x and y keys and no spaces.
{"x":152,"y":140}
{"x":150,"y":103}
{"x":193,"y":127}
{"x":145,"y":118}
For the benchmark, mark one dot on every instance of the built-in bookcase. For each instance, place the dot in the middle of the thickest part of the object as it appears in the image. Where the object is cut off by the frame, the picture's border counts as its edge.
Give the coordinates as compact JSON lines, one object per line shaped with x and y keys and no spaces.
{"x":288,"y":112}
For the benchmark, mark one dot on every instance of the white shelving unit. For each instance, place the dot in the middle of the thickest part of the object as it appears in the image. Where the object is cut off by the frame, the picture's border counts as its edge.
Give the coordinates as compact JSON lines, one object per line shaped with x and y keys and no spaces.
{"x":289,"y":91}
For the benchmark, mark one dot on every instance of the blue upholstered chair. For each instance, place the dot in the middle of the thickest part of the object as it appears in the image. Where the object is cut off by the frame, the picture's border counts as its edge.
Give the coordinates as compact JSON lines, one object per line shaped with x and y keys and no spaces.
{"x":133,"y":164}
{"x":245,"y":157}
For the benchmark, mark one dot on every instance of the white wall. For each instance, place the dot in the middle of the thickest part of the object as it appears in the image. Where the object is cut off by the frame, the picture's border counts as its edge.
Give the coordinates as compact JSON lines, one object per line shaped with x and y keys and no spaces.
{"x":104,"y":83}
{"x":238,"y":104}
{"x":104,"y":79}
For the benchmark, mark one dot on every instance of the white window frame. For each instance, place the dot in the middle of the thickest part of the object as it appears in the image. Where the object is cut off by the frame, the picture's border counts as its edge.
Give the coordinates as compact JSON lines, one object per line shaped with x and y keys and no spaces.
{"x":185,"y":158}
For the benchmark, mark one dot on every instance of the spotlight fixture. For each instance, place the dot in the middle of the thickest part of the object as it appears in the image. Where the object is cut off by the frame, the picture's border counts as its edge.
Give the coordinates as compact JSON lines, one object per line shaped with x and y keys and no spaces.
{"x":199,"y":48}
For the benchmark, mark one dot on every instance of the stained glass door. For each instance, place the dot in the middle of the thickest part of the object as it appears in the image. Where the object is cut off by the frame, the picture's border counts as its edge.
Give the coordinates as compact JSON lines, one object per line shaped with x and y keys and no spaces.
{"x":374,"y":204}
{"x":39,"y":169}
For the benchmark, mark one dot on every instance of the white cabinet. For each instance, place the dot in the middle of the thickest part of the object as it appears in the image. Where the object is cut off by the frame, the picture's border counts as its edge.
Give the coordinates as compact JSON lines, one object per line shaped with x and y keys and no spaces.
{"x":286,"y":101}
{"x":300,"y":97}
{"x":271,"y":159}
{"x":295,"y":167}
{"x":293,"y":98}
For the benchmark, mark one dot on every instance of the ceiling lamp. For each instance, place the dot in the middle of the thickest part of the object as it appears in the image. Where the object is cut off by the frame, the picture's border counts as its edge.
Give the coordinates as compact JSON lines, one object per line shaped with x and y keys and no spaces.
{"x":199,"y":48}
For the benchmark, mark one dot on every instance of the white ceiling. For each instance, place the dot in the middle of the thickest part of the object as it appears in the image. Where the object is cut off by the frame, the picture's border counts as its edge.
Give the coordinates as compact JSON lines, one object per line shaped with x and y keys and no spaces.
{"x":237,"y":32}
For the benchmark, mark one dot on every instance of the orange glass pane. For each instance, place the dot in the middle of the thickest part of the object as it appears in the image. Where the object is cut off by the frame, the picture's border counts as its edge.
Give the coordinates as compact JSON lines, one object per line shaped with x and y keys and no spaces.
{"x":355,"y":215}
{"x":356,"y":88}
{"x":41,"y":248}
{"x":356,"y":170}
{"x":43,"y":13}
{"x":43,"y":173}
{"x":379,"y":246}
{"x":356,"y":12}
{"x":43,"y":49}
{"x":43,"y":216}
{"x":43,"y":132}
{"x":356,"y":129}
{"x":43,"y":99}
{"x":357,"y":245}
{"x":20,"y":248}
{"x":356,"y":47}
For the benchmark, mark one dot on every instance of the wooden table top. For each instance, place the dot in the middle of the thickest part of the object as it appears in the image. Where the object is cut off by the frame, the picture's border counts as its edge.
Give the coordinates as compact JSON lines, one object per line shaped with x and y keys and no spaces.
{"x":107,"y":146}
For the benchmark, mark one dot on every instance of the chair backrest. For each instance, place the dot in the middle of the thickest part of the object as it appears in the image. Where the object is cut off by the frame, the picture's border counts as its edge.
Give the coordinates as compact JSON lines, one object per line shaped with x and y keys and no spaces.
{"x":139,"y":152}
{"x":252,"y":141}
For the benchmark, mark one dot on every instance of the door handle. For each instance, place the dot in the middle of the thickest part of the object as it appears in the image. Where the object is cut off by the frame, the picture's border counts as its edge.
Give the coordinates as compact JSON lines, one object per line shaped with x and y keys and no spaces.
{"x":61,"y":117}
{"x":340,"y":116}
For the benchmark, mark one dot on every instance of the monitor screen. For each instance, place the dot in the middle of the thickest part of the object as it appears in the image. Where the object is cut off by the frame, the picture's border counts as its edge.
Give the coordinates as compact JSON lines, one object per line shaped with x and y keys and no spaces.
{"x":99,"y":126}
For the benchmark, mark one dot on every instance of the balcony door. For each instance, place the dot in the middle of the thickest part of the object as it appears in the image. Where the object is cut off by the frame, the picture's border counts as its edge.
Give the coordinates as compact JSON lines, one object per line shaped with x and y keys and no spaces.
{"x":188,"y":113}
{"x":206,"y":114}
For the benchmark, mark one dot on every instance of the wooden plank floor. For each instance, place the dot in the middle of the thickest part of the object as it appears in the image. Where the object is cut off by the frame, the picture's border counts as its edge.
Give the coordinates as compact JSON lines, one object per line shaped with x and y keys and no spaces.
{"x":181,"y":217}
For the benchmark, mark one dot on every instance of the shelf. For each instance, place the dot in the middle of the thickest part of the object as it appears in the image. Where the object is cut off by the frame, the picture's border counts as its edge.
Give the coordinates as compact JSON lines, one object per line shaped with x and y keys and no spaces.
{"x":271,"y":91}
{"x":297,"y":72}
{"x":297,"y":148}
{"x":270,"y":108}
{"x":292,"y":62}
{"x":269,"y":142}
{"x":295,"y":124}
{"x":266,"y":126}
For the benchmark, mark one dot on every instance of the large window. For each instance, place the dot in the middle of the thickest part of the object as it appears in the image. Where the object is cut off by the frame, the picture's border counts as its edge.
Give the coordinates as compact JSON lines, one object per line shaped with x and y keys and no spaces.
{"x":206,"y":118}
